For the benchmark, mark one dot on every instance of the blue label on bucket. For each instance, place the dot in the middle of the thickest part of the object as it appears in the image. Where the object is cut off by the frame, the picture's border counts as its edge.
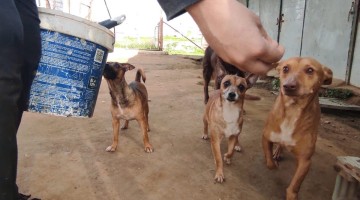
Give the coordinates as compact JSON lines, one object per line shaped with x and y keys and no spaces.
{"x":69,"y":75}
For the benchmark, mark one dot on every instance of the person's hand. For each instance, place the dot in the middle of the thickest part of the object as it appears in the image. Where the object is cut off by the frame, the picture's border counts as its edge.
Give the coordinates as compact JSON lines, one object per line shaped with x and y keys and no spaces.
{"x":236,"y":35}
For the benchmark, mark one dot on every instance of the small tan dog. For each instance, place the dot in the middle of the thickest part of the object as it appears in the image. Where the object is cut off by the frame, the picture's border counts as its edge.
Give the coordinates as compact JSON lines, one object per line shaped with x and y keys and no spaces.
{"x":128,"y":102}
{"x":294,"y":119}
{"x":224,"y":117}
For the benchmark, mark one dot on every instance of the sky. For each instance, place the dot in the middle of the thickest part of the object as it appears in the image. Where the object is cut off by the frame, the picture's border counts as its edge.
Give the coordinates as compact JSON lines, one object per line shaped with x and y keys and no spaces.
{"x":142,"y":16}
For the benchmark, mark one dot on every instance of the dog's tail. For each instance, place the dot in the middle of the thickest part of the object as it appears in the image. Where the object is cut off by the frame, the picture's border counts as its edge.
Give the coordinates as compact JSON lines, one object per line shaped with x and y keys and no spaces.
{"x":252,"y":97}
{"x":140,"y":73}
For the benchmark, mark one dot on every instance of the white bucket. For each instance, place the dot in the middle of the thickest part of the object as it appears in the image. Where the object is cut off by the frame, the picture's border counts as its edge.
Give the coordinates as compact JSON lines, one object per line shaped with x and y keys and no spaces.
{"x":74,"y":52}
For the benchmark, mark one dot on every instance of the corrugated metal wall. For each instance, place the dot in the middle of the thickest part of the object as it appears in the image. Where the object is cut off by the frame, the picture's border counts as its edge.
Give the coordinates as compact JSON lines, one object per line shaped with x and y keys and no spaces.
{"x":327,"y":31}
{"x":316,"y":28}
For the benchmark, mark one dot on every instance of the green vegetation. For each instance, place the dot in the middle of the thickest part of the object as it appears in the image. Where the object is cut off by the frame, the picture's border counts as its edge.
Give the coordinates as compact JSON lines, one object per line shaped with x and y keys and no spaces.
{"x":275,"y":84}
{"x":172,"y":44}
{"x":337,"y":93}
{"x":143,"y":43}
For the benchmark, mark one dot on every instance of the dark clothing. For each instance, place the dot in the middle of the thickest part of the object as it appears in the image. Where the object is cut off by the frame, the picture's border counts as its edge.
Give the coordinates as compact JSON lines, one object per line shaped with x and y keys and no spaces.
{"x":174,"y":8}
{"x":20,"y":50}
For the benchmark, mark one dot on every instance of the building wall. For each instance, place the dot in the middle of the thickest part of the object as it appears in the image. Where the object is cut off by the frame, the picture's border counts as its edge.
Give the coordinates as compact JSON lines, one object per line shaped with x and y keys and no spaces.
{"x":320,"y":29}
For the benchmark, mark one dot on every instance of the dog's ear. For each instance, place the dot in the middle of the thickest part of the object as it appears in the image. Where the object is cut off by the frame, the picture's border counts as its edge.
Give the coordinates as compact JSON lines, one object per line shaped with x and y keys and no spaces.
{"x":251,"y":80}
{"x":127,"y":66}
{"x":328,"y":75}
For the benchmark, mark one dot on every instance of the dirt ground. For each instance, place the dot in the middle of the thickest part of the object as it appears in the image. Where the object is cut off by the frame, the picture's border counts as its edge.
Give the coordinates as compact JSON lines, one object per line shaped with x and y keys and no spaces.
{"x":65,"y":158}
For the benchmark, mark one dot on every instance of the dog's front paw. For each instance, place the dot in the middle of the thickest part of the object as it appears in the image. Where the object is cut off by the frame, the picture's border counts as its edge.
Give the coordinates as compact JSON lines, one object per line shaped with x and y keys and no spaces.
{"x":110,"y":148}
{"x":205,"y":137}
{"x":219,"y":177}
{"x":148,"y":148}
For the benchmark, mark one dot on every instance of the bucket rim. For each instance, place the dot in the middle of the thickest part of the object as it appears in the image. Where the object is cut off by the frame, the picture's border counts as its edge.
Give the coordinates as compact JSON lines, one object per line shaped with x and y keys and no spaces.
{"x":75,"y":19}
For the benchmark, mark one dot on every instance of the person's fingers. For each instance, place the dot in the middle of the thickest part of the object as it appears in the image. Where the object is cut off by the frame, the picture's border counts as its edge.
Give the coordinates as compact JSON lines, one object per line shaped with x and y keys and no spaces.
{"x":257,"y":67}
{"x":273,"y":51}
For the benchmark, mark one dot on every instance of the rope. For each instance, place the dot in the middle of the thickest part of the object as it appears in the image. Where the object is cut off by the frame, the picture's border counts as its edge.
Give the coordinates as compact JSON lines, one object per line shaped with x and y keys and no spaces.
{"x":107,"y":8}
{"x":184,"y":36}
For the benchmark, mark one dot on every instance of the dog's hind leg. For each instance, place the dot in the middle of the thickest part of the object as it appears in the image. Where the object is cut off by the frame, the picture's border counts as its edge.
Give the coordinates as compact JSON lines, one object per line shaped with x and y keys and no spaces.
{"x":268,"y":148}
{"x":237,"y":147}
{"x":147,"y":117}
{"x":207,"y":74}
{"x":277,"y":153}
{"x":205,"y":135}
{"x":116,"y":126}
{"x":231,"y":145}
{"x":125,"y":125}
{"x":147,"y":146}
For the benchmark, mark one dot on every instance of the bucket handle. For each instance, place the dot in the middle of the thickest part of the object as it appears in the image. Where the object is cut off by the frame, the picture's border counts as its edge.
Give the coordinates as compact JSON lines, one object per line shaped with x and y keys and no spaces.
{"x":121,"y":19}
{"x":110,"y":23}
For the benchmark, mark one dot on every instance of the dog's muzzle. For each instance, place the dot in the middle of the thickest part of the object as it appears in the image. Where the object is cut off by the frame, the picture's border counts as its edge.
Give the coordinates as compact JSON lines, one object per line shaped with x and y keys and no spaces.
{"x":109,"y":73}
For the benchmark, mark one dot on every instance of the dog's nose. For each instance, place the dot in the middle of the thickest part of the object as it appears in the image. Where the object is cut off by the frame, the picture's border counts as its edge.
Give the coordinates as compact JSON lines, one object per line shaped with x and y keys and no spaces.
{"x":231,"y":96}
{"x":290,"y":86}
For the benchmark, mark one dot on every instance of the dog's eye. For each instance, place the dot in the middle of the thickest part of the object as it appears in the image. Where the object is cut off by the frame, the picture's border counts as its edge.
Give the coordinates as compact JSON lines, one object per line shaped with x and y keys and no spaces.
{"x":309,"y":70}
{"x":226,"y":84}
{"x":286,"y":69}
{"x":241,"y":87}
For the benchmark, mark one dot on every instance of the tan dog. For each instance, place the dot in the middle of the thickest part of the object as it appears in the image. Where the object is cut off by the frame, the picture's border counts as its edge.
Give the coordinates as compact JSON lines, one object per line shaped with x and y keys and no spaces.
{"x":224,"y":117}
{"x":294,"y":119}
{"x":128,"y":102}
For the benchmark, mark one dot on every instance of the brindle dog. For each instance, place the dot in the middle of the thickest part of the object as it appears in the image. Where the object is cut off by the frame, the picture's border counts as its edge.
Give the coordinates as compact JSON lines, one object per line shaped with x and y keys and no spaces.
{"x":128,"y":102}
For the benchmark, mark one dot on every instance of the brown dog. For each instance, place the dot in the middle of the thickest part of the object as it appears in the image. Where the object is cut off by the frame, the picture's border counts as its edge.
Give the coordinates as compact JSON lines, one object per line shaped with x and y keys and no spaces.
{"x":294,"y":119}
{"x":215,"y":68}
{"x":224,"y":117}
{"x":128,"y":102}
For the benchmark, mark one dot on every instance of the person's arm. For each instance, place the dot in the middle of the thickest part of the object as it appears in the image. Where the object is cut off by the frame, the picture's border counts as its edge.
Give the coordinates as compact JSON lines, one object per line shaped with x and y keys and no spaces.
{"x":174,"y":8}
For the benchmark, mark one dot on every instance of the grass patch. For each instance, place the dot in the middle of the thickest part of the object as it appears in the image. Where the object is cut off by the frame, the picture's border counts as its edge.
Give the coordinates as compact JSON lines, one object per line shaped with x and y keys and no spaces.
{"x":172,"y":45}
{"x":336,"y":93}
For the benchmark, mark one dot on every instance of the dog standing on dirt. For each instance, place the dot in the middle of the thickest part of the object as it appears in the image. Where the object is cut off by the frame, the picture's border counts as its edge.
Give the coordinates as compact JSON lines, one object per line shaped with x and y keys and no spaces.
{"x":128,"y":102}
{"x":294,"y":119}
{"x":215,"y":68}
{"x":224,"y":117}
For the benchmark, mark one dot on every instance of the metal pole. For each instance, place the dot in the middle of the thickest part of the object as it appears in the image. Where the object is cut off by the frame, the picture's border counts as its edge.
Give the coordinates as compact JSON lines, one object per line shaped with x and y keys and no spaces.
{"x":160,"y":34}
